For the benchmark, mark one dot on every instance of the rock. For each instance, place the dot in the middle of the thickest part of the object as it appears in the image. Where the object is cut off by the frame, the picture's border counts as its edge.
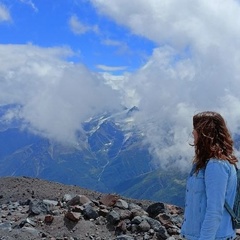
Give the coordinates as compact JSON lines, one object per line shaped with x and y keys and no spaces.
{"x":6,"y":226}
{"x":103,"y":212}
{"x":89,"y":213}
{"x":124,"y":237}
{"x":38,"y":207}
{"x":162,"y":234}
{"x":78,"y":200}
{"x":172,"y":209}
{"x":67,"y":197}
{"x":109,"y":200}
{"x":155,"y":225}
{"x":32,"y":230}
{"x":113,"y":217}
{"x":50,"y":202}
{"x":48,"y":219}
{"x":121,"y":204}
{"x":31,"y":222}
{"x":75,"y":217}
{"x":137,"y":220}
{"x":134,"y":206}
{"x":164,"y":219}
{"x":124,"y":214}
{"x":154,"y":209}
{"x":144,"y":226}
{"x":121,"y":228}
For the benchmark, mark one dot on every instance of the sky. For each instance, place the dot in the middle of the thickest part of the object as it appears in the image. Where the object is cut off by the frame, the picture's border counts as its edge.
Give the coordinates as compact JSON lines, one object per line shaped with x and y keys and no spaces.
{"x":67,"y":60}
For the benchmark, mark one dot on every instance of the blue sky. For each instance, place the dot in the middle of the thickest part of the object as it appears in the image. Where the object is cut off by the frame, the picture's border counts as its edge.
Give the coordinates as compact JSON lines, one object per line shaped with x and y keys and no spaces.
{"x":96,"y":39}
{"x":63,"y":61}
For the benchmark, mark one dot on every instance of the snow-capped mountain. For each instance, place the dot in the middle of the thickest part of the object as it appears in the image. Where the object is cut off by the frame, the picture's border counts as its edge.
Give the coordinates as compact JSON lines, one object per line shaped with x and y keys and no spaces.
{"x":111,"y":156}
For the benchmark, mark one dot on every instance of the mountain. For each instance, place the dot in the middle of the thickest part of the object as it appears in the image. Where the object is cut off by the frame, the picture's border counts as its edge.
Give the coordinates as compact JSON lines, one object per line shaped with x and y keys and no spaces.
{"x":158,"y":185}
{"x":111,"y":156}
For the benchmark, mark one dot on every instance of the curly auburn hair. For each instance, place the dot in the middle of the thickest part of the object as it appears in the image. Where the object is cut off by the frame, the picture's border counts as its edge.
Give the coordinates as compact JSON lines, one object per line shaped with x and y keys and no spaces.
{"x":214,"y":139}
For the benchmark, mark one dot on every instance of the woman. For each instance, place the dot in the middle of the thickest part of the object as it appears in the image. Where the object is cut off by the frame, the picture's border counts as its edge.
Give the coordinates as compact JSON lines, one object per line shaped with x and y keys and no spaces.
{"x":212,"y":181}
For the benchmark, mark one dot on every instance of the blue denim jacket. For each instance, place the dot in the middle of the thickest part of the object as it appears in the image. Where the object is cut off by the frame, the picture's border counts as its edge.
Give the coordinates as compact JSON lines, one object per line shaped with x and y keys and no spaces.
{"x":205,"y":217}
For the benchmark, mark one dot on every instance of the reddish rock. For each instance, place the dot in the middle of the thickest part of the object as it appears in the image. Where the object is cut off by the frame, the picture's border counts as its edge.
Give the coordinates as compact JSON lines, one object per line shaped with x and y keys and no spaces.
{"x":73,"y":216}
{"x":48,"y":219}
{"x":109,"y":200}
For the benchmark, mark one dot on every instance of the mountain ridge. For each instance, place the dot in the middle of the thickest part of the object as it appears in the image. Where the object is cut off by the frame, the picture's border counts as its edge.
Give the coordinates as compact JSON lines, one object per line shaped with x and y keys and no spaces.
{"x":110,"y":154}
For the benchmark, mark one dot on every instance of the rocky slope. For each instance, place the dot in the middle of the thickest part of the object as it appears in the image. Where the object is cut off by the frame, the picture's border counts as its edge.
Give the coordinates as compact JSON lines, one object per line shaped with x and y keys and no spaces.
{"x":32,"y":209}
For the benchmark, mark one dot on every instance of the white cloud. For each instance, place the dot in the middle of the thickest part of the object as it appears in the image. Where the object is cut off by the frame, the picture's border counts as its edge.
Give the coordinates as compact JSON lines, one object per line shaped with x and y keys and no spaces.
{"x":4,"y":13}
{"x":111,"y":68}
{"x":78,"y":27}
{"x":194,"y":68}
{"x":179,"y":23}
{"x":31,"y":4}
{"x":56,"y":96}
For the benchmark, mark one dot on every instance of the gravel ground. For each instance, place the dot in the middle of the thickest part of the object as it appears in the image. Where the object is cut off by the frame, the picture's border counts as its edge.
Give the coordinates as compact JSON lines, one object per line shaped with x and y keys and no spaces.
{"x":16,"y":189}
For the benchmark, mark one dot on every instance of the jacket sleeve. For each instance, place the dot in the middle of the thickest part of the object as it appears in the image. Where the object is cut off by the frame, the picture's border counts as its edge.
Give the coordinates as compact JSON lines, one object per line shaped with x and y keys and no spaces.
{"x":216,"y":178}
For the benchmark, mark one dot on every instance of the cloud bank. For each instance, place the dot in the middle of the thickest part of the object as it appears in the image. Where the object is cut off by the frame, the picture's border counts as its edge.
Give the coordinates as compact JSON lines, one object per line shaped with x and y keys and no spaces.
{"x":55,"y":96}
{"x":194,"y":68}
